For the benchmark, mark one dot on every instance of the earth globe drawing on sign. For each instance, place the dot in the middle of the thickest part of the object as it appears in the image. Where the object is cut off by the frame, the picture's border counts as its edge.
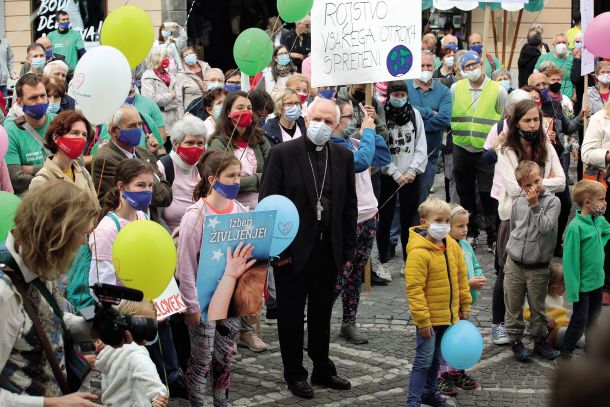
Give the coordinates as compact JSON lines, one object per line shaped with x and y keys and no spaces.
{"x":399,"y":61}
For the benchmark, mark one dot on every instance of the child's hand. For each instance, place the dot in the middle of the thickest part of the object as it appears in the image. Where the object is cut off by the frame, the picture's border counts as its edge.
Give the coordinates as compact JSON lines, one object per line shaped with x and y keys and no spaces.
{"x":237,"y":263}
{"x":160,"y":401}
{"x":476,"y":283}
{"x":532,"y":197}
{"x":426,"y":332}
{"x":464,"y":315}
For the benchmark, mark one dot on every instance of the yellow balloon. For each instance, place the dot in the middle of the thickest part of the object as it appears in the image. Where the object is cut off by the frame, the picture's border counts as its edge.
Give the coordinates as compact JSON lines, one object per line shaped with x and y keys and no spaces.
{"x":130,"y":30}
{"x":144,"y":257}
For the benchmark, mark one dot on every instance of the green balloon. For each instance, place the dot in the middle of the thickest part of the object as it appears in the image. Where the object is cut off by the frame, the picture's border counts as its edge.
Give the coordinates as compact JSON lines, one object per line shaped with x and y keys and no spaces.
{"x":252,"y":51}
{"x":293,"y":10}
{"x":8,"y":207}
{"x":534,"y":5}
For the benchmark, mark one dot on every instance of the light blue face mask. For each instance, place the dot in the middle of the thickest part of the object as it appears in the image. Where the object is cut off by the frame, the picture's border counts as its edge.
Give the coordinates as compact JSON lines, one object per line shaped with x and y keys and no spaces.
{"x":215,"y":85}
{"x":217,"y":111}
{"x":53,"y":107}
{"x":578,"y":45}
{"x":505,"y":84}
{"x":166,"y":34}
{"x":283,"y":59}
{"x":190,"y":59}
{"x":398,"y":102}
{"x":38,"y":63}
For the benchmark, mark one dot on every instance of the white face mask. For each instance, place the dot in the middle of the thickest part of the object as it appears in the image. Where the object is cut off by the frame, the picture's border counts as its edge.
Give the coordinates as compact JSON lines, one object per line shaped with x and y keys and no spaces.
{"x":449,"y":61}
{"x":561,"y":49}
{"x":605,"y":78}
{"x":439,"y":231}
{"x":473,"y":75}
{"x":318,"y":132}
{"x":425,"y":76}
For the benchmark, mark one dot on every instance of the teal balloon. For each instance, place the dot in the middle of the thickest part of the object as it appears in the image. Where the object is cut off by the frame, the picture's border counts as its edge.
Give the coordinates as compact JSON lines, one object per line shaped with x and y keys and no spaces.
{"x":8,"y":207}
{"x":252,"y":51}
{"x":293,"y":10}
{"x":492,"y":6}
{"x":426,"y":4}
{"x":462,"y":345}
{"x":286,"y":221}
{"x":534,"y":5}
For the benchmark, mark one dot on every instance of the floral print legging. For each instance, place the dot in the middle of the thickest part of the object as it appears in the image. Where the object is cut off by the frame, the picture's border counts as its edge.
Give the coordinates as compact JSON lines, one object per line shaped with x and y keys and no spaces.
{"x":349,"y":283}
{"x":211,"y":348}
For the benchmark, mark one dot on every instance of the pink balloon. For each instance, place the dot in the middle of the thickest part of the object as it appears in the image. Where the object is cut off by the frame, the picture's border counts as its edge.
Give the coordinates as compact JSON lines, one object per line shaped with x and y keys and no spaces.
{"x":3,"y":143}
{"x":597,"y":34}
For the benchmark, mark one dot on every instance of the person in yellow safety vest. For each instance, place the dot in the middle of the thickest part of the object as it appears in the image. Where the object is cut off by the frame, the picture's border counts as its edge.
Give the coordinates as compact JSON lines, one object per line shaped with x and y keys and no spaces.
{"x":478,"y":104}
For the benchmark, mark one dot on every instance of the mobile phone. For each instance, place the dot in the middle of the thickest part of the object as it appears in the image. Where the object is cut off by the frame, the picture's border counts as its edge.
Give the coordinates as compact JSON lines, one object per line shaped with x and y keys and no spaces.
{"x":363,"y":109}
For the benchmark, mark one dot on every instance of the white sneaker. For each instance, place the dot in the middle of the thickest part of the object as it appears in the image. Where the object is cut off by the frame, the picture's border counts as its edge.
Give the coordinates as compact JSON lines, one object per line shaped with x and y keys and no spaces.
{"x":499,"y":335}
{"x":383,"y":272}
{"x":252,"y":341}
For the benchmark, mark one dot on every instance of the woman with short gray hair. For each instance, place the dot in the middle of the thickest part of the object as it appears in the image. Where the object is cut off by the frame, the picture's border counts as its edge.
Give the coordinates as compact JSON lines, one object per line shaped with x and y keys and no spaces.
{"x":180,"y":166}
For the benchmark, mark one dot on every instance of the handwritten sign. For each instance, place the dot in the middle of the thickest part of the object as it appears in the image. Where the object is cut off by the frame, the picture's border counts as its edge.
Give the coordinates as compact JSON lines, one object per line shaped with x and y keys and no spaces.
{"x":86,"y":17}
{"x":365,"y":41}
{"x":227,"y":231}
{"x":170,"y":302}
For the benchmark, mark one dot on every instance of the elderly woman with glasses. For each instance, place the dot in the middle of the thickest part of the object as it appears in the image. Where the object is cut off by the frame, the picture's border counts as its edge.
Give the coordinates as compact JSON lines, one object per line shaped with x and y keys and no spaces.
{"x":288,"y":122}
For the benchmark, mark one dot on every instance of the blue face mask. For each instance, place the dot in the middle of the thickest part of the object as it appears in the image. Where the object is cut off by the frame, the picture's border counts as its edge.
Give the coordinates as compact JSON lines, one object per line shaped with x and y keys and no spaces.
{"x":327,"y":93}
{"x":505,"y":84}
{"x":398,"y":102}
{"x":232,"y":88}
{"x":48,"y":53}
{"x":544,"y":94}
{"x":36,"y":111}
{"x":131,"y":137}
{"x":292,"y":113}
{"x":578,"y":45}
{"x":166,"y":34}
{"x":190,"y":59}
{"x":130,"y":100}
{"x":139,"y":201}
{"x":215,"y":85}
{"x":38,"y":63}
{"x":64,"y":25}
{"x":229,"y":191}
{"x":54,"y":107}
{"x":477,"y":48}
{"x":136,"y":83}
{"x":283,"y":59}
{"x":217,"y":110}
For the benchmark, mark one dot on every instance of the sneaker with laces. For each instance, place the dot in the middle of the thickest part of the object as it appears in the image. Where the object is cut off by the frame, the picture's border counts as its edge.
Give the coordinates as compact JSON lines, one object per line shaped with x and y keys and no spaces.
{"x":383,"y":272}
{"x":521,"y":354}
{"x":542,"y":348}
{"x":461,"y":379}
{"x":446,"y":386}
{"x":252,"y":341}
{"x":499,"y":335}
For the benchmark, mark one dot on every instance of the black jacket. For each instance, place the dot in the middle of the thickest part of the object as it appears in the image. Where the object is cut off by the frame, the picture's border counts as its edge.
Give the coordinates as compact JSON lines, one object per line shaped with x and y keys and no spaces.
{"x":527,"y":61}
{"x":274,"y":133}
{"x":288,"y":173}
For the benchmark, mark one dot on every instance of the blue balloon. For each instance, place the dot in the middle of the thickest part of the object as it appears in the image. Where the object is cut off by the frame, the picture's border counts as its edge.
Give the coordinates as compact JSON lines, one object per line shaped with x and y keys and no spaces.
{"x":286,"y":221}
{"x":462,"y":345}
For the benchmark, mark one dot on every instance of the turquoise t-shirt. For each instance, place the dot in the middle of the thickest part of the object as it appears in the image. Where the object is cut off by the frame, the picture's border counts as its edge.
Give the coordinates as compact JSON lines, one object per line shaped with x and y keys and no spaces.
{"x":22,"y":147}
{"x":565,"y":64}
{"x":147,"y":106}
{"x":67,"y":44}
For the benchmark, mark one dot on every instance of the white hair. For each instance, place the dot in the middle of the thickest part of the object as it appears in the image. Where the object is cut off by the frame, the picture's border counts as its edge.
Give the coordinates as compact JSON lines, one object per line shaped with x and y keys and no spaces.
{"x":116,"y":118}
{"x":155,"y":56}
{"x":319,"y":100}
{"x":213,"y":70}
{"x":501,"y":72}
{"x":515,"y":97}
{"x":53,"y":66}
{"x":304,"y":20}
{"x":189,"y":126}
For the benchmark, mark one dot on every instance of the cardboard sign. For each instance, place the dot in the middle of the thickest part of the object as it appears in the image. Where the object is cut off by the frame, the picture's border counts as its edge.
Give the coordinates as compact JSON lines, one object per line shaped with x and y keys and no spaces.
{"x":227,"y":231}
{"x":170,"y":302}
{"x":365,"y":41}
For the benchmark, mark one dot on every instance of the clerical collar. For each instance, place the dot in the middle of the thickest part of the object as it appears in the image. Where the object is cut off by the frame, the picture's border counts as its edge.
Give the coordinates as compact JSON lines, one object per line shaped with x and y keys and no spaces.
{"x":313,"y":147}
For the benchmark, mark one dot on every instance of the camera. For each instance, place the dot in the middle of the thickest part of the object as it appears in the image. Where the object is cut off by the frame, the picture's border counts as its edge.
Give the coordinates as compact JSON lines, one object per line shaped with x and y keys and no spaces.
{"x":110,"y":324}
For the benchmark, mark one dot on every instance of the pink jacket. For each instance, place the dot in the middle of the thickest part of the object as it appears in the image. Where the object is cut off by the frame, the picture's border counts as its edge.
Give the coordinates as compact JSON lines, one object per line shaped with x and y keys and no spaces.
{"x":5,"y":180}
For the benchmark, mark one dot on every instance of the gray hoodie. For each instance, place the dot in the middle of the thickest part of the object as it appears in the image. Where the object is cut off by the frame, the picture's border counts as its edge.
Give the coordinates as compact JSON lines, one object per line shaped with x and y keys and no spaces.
{"x":533,"y":233}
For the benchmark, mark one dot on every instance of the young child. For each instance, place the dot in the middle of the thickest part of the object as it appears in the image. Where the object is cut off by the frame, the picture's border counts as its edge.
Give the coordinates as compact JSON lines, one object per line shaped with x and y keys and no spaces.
{"x":529,"y":250}
{"x":212,"y":341}
{"x":430,"y":252}
{"x":583,"y":260}
{"x":450,"y":379}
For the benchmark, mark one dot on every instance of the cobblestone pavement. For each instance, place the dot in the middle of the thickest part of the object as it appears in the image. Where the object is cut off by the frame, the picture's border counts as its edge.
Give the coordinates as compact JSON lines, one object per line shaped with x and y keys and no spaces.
{"x":379,"y":370}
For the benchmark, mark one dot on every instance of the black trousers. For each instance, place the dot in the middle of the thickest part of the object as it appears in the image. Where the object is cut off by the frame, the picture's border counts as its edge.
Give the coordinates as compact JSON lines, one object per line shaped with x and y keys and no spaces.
{"x":584,"y":314}
{"x":314,"y":285}
{"x":471,"y":170}
{"x":409,"y":202}
{"x":564,"y":214}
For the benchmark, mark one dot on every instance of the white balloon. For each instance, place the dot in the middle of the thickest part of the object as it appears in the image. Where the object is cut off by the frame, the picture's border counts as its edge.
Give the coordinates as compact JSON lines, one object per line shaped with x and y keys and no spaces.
{"x":101,"y":82}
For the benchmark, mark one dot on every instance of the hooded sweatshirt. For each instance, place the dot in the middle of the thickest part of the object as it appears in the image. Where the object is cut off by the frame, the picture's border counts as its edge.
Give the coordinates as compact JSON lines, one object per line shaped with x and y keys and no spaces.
{"x":533,"y":230}
{"x":129,"y":376}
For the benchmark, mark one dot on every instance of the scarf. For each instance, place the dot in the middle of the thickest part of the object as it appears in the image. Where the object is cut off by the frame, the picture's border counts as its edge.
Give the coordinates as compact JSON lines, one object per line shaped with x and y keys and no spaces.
{"x":282,"y":70}
{"x":164,"y":76}
{"x":399,"y":115}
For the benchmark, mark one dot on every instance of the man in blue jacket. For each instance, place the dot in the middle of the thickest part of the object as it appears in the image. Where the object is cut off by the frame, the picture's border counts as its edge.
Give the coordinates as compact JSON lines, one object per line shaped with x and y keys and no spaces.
{"x":433,"y":101}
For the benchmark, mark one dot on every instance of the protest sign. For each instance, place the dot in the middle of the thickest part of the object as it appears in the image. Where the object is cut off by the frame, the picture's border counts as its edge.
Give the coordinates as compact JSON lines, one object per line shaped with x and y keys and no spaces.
{"x":227,"y":231}
{"x":86,"y":17}
{"x":170,"y":302}
{"x":365,"y":41}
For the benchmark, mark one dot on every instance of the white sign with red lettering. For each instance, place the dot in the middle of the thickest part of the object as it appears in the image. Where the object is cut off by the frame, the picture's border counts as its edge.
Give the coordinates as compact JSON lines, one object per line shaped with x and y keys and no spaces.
{"x":170,"y":302}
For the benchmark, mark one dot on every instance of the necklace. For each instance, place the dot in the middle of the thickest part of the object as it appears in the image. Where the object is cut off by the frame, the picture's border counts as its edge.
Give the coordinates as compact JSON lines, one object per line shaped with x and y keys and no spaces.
{"x":319,"y":207}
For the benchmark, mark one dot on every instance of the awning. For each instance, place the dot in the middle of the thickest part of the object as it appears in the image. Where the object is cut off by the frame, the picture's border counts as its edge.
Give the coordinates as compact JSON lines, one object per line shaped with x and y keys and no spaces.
{"x":531,"y":5}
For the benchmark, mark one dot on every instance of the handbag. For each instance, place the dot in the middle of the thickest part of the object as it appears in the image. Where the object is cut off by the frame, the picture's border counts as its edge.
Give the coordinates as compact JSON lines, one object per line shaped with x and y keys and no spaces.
{"x":77,"y":367}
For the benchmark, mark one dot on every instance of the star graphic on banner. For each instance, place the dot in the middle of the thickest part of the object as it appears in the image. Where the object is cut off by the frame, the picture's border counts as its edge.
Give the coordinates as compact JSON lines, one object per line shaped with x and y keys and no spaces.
{"x":213,"y":222}
{"x":217,"y":255}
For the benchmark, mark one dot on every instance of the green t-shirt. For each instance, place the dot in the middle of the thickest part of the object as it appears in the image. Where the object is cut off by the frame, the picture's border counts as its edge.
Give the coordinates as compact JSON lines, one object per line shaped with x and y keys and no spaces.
{"x":23,"y":149}
{"x":146,"y":105}
{"x":150,"y":125}
{"x":489,"y":67}
{"x":565,"y":64}
{"x":67,"y":44}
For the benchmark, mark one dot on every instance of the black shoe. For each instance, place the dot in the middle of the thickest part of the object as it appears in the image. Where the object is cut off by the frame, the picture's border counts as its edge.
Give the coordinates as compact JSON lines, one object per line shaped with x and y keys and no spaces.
{"x":271,"y":313}
{"x":301,"y":389}
{"x":332,"y":382}
{"x":376,"y":280}
{"x":521,"y":354}
{"x":542,"y":348}
{"x":178,"y":388}
{"x":434,"y":400}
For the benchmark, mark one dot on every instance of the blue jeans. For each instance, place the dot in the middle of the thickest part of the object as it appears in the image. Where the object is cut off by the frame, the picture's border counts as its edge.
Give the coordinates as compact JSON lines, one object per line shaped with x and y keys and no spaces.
{"x":424,"y":375}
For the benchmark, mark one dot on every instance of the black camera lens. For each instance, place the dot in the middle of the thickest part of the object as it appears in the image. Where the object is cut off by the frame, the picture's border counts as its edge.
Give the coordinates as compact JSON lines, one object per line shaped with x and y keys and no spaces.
{"x":142,"y":329}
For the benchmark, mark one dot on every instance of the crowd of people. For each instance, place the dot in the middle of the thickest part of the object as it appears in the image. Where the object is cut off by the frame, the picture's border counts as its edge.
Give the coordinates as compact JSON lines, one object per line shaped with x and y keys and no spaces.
{"x":191,"y":140}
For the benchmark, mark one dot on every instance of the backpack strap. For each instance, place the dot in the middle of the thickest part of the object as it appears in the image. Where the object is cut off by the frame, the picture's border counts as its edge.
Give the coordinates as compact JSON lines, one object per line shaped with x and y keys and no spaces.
{"x":491,"y":62}
{"x":168,"y":164}
{"x":115,"y":218}
{"x":500,"y":126}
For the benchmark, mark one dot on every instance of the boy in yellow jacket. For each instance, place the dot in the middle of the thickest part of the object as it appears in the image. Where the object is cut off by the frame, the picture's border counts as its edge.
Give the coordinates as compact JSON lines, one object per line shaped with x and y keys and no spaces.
{"x":438,"y":293}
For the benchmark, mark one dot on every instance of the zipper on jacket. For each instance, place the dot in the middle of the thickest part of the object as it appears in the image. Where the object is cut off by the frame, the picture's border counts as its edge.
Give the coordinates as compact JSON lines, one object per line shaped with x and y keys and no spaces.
{"x":529,"y":218}
{"x":450,"y":285}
